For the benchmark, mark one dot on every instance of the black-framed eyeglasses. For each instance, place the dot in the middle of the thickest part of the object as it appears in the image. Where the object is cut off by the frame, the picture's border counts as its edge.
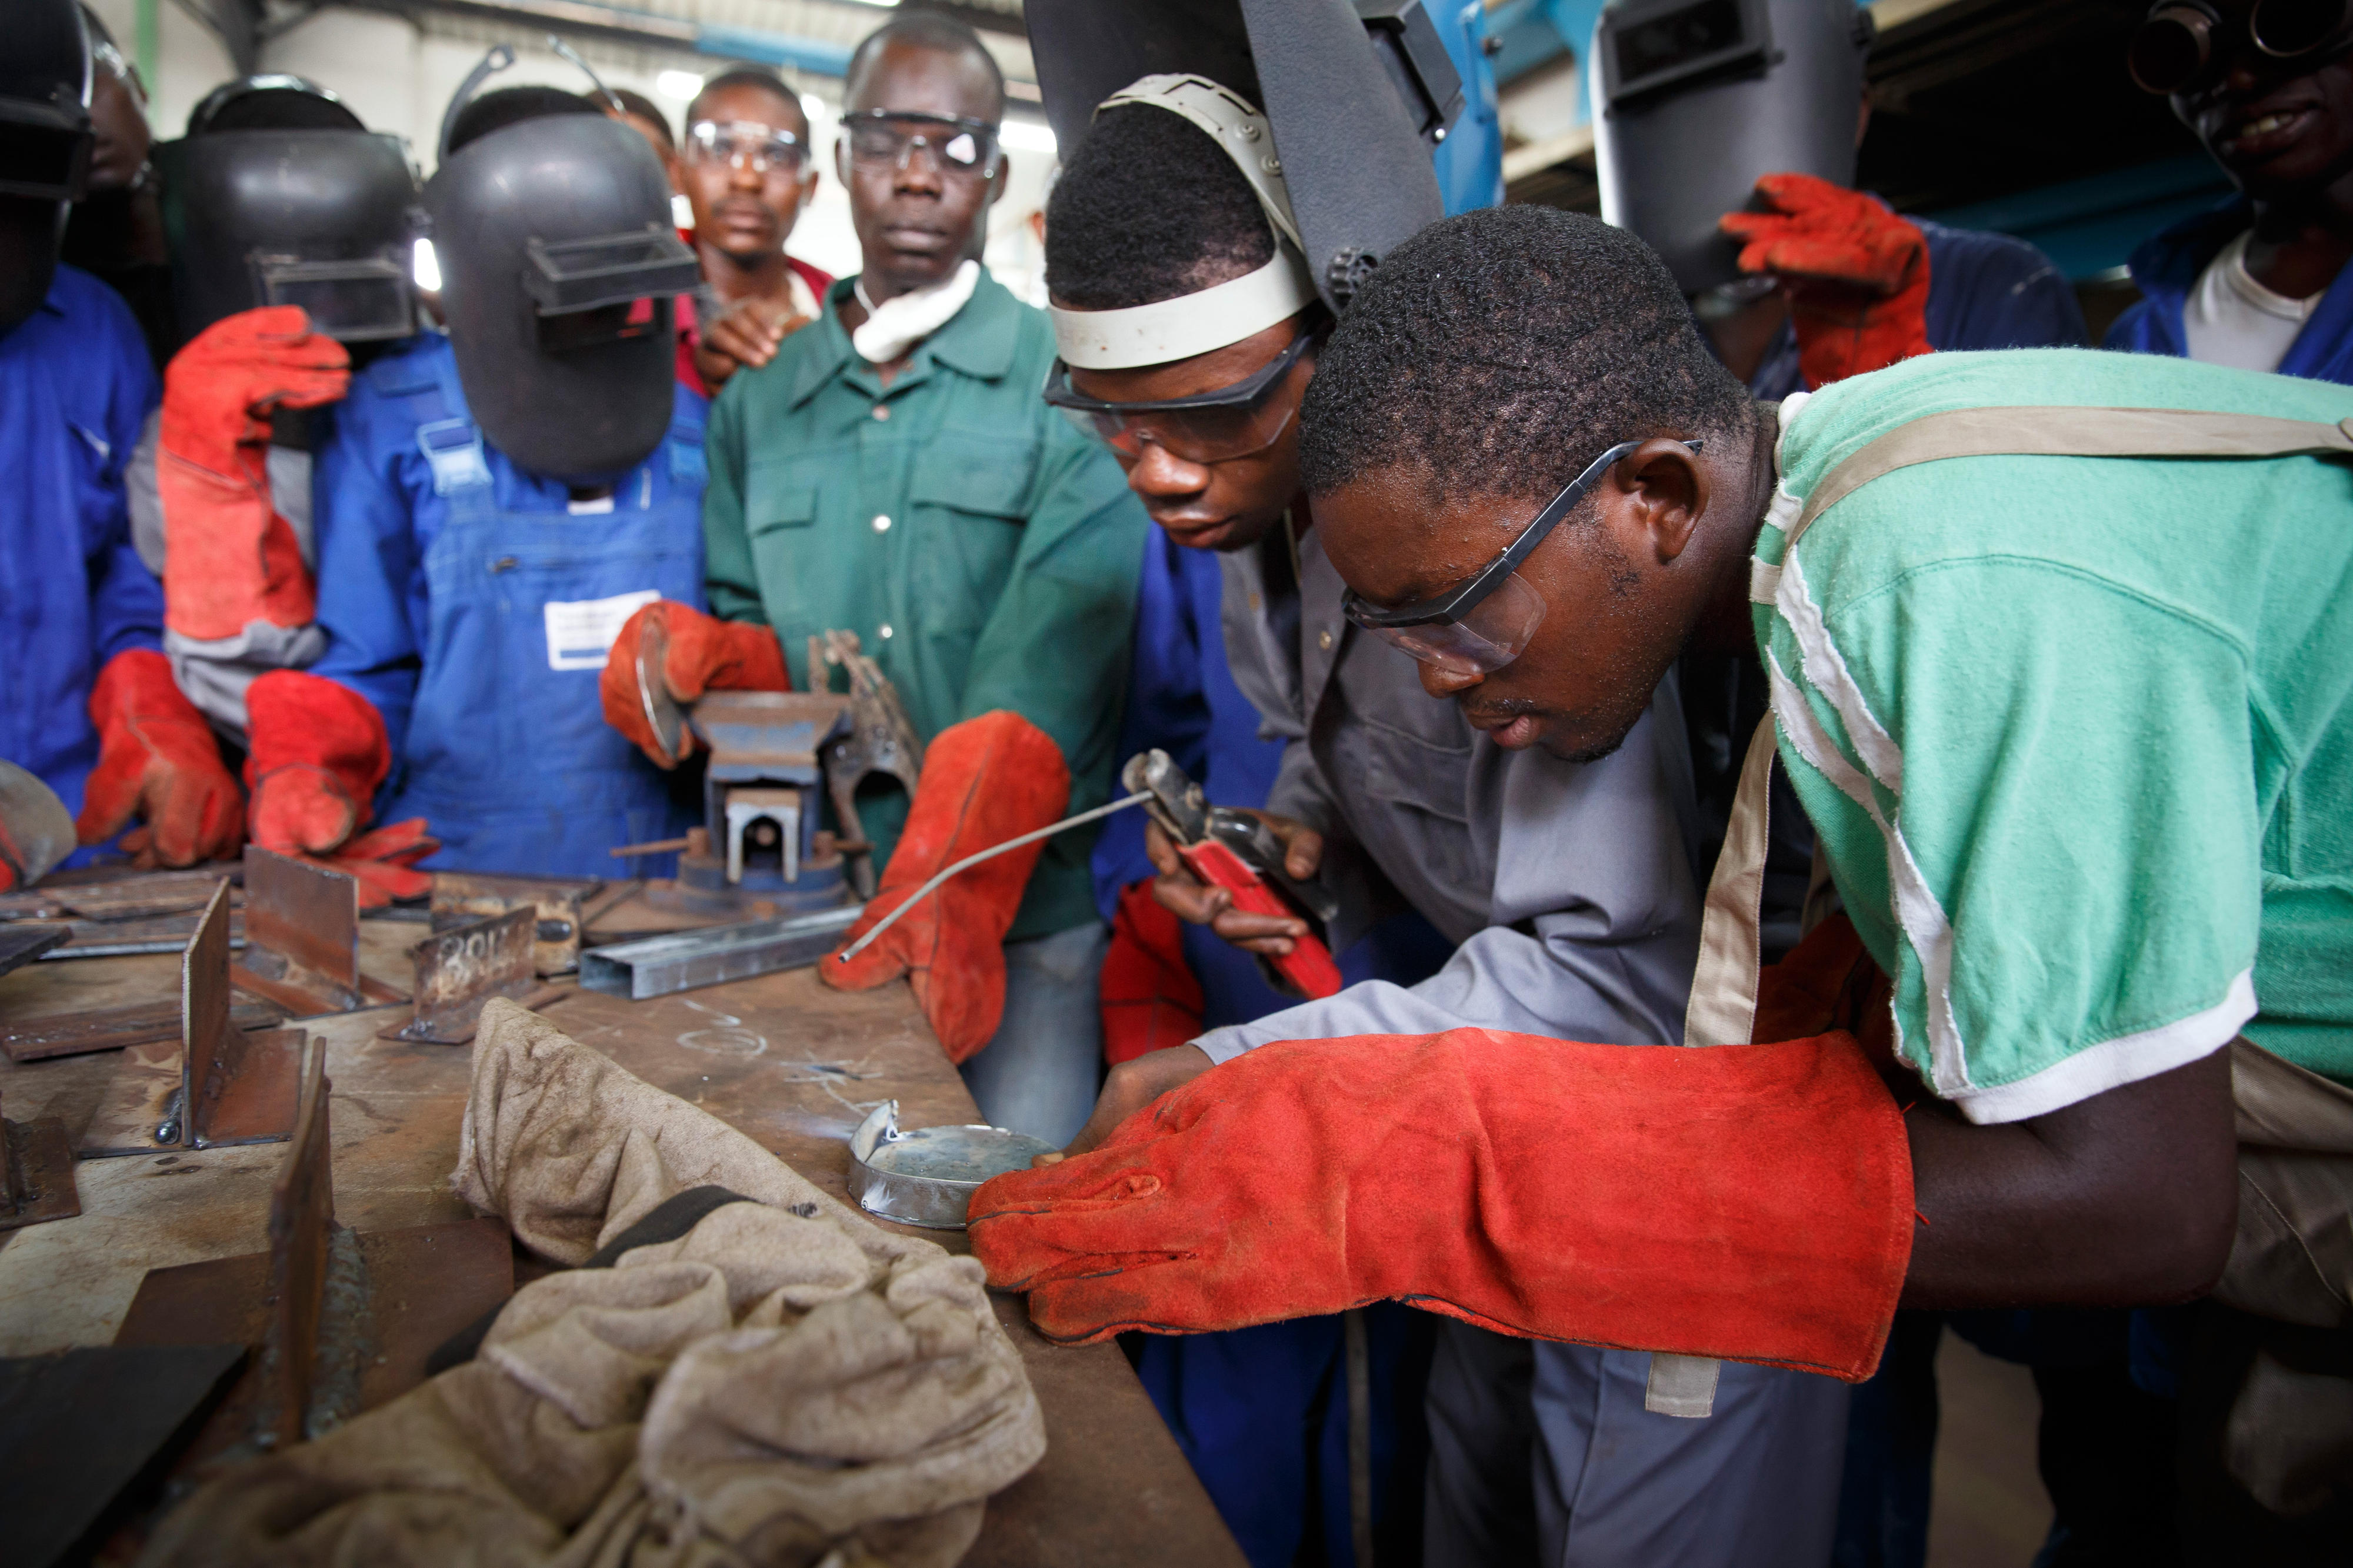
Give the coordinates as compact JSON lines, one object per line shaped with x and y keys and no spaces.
{"x":958,"y":143}
{"x":2178,"y":43}
{"x":1208,"y":427}
{"x":1485,"y":623}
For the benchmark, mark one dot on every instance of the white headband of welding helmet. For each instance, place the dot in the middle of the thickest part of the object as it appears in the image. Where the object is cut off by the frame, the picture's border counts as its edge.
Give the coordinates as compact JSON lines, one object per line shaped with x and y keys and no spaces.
{"x":1228,"y":313}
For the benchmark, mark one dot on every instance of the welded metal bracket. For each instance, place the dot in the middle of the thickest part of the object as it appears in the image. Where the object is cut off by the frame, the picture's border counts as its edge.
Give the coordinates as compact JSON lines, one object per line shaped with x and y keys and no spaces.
{"x":302,"y":937}
{"x":229,"y":1086}
{"x":459,"y":969}
{"x":460,"y":898}
{"x":36,"y":1178}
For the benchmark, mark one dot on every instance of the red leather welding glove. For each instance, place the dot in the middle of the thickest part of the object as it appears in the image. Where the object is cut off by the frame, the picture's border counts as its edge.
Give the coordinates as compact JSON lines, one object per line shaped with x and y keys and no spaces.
{"x":706,"y":653}
{"x":229,"y":559}
{"x":157,"y":760}
{"x":316,"y":753}
{"x":1151,"y":999}
{"x":1746,"y":1202}
{"x":1856,"y":274}
{"x":384,"y":862}
{"x":983,"y":780}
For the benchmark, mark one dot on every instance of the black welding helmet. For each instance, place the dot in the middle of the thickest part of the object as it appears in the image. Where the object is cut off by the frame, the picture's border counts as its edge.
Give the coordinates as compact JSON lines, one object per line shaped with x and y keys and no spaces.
{"x":1694,"y":99}
{"x":559,"y":269}
{"x":1354,"y":93}
{"x":45,"y":146}
{"x":279,"y":196}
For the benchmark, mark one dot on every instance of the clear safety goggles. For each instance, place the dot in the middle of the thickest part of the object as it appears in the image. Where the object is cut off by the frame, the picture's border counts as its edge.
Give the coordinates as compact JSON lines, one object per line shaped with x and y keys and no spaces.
{"x":2179,"y":44}
{"x":1481,"y":625}
{"x":1234,"y":421}
{"x":745,"y":144}
{"x":958,"y":144}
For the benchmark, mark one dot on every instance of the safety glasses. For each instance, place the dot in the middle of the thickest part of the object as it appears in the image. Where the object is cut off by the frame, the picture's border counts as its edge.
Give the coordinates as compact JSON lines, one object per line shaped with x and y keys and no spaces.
{"x":1234,"y":421}
{"x":958,"y":144}
{"x":2179,"y":44}
{"x":745,"y":144}
{"x":1484,"y":623}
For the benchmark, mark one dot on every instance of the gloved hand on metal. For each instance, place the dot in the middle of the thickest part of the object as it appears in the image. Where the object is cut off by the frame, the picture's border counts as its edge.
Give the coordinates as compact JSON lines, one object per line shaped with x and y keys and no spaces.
{"x":1856,"y":274}
{"x":230,"y":559}
{"x":157,"y":761}
{"x":696,"y":653}
{"x":1746,"y":1202}
{"x":318,"y":750}
{"x":383,"y":861}
{"x":985,"y":781}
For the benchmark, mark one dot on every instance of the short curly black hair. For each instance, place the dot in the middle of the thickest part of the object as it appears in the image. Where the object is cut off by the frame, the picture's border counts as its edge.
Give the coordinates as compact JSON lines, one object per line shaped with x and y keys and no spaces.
{"x":1149,"y":209}
{"x":1502,"y":351}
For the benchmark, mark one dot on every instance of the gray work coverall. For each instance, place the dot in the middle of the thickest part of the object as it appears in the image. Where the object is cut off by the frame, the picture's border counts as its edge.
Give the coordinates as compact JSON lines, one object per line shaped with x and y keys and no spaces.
{"x":1569,"y":891}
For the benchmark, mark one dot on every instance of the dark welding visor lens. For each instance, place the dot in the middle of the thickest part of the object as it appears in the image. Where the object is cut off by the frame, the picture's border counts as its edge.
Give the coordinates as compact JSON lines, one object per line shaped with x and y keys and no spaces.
{"x":2283,"y":28}
{"x":358,"y":302}
{"x":573,"y":275}
{"x":601,"y":324}
{"x":44,"y":152}
{"x":2170,"y":48}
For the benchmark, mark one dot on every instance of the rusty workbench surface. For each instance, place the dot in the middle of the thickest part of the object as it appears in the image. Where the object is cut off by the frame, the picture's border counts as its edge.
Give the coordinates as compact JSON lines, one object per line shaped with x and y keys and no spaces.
{"x":789,"y":1062}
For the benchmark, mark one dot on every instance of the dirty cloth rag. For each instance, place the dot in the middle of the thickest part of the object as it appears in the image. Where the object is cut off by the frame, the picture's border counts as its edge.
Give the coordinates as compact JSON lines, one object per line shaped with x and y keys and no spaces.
{"x":784,"y":1382}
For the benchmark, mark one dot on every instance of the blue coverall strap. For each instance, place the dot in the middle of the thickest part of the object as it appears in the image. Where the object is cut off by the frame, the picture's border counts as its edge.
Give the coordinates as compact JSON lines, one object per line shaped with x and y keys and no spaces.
{"x":453,"y":448}
{"x":689,"y":468}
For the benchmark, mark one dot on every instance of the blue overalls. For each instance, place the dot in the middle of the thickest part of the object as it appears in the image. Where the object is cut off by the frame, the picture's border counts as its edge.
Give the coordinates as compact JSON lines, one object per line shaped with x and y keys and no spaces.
{"x":2167,"y":268}
{"x":75,"y":387}
{"x":473,"y":603}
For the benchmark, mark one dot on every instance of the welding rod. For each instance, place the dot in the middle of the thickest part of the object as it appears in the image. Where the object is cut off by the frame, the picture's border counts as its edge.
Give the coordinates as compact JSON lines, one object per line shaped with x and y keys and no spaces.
{"x":855,"y":948}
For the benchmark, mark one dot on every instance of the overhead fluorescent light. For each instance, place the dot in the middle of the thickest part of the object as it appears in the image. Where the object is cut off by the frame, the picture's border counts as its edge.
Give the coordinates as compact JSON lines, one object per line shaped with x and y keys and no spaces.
{"x":680,"y":85}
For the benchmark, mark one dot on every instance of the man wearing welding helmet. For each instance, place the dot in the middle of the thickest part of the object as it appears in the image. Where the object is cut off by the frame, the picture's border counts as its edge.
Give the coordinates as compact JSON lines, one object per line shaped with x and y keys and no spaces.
{"x":2259,"y":283}
{"x":891,"y":472}
{"x":492,"y":507}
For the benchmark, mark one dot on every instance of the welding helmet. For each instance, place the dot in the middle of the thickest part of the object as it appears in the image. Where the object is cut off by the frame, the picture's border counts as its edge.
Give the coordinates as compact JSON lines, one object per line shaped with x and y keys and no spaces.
{"x":279,"y":196}
{"x":559,"y":269}
{"x":1695,"y":100}
{"x":45,"y":146}
{"x":1347,"y":101}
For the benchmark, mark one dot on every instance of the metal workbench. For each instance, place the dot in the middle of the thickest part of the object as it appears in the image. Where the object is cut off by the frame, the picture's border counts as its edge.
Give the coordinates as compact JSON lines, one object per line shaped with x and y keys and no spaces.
{"x":787,"y":1061}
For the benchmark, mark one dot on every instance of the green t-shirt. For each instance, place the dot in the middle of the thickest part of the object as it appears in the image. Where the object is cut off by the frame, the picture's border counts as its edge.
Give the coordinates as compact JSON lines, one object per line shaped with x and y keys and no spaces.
{"x":2076,"y":732}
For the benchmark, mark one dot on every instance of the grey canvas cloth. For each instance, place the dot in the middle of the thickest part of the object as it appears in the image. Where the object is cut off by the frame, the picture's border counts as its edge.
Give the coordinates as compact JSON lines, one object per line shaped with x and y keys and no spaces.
{"x":784,"y":1382}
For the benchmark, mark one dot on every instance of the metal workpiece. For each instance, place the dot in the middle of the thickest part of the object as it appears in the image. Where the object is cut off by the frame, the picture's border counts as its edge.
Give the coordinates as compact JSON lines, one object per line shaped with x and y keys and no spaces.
{"x":927,"y":1176}
{"x":228,"y":1086}
{"x":37,"y":831}
{"x":79,"y":1033}
{"x":461,"y":897}
{"x":37,"y":1180}
{"x":302,"y":937}
{"x":664,"y":717}
{"x":881,"y":738}
{"x":22,"y":942}
{"x":459,"y":969}
{"x":658,"y":965}
{"x":301,"y":1220}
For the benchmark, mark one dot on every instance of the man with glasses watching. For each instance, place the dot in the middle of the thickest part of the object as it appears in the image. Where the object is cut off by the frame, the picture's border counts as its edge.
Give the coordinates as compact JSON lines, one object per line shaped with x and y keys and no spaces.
{"x":2259,"y":283}
{"x":1189,"y":339}
{"x":746,"y":171}
{"x":892,"y":472}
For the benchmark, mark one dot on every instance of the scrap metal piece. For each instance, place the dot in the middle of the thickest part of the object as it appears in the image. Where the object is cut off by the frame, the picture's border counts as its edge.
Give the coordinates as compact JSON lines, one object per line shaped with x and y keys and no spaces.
{"x":460,"y":898}
{"x":37,"y":831}
{"x":342,"y":1322}
{"x":37,"y":1180}
{"x":460,"y":969}
{"x":111,"y":1028}
{"x":302,"y":937}
{"x":119,"y":939}
{"x":148,"y":896}
{"x":21,"y":942}
{"x":664,"y":717}
{"x":926,"y":1176}
{"x":658,"y":965}
{"x":230,"y":1086}
{"x":79,"y":1428}
{"x":881,"y":738}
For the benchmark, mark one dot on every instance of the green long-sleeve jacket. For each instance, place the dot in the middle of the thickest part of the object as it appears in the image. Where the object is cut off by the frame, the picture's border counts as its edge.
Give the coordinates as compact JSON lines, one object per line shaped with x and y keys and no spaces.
{"x":985,"y":554}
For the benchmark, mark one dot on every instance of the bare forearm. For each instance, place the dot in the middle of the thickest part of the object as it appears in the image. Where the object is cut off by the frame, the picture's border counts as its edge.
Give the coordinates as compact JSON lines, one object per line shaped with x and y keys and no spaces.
{"x":2127,"y":1199}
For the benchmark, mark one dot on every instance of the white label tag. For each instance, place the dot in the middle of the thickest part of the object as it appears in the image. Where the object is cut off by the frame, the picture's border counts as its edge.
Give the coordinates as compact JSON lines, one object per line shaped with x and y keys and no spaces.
{"x":580,"y":632}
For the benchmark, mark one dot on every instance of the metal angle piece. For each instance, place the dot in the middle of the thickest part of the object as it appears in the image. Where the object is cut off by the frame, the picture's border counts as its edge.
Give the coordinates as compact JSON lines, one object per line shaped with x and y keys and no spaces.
{"x":111,"y":1028}
{"x":302,"y":937}
{"x":146,"y":897}
{"x":658,"y":965}
{"x":926,"y":1176}
{"x":36,"y":1179}
{"x":21,"y":942}
{"x":301,"y":1220}
{"x":460,"y":898}
{"x":156,"y":933}
{"x":460,"y":969}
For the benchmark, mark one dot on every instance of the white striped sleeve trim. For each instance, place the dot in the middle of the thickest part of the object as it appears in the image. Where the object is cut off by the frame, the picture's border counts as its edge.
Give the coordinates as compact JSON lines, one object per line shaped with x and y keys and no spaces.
{"x":1764,"y":582}
{"x":1825,"y":668}
{"x":2112,"y":1064}
{"x":1922,"y":918}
